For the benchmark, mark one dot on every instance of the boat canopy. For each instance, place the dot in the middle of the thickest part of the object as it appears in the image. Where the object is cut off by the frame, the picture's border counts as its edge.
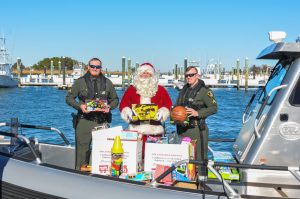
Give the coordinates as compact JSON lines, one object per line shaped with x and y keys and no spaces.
{"x":280,"y":50}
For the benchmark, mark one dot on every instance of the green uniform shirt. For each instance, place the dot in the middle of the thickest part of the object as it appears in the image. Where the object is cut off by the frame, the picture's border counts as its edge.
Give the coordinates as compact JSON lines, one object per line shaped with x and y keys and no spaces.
{"x":80,"y":90}
{"x":203,"y":102}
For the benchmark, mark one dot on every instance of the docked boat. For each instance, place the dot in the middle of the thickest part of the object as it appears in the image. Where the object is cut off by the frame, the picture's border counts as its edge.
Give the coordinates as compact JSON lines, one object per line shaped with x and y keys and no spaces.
{"x":6,"y":78}
{"x":265,"y":151}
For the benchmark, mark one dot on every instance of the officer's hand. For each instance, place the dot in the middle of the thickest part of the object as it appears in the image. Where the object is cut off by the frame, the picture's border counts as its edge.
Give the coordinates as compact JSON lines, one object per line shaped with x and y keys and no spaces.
{"x":83,"y":108}
{"x":106,"y":110}
{"x":192,"y":112}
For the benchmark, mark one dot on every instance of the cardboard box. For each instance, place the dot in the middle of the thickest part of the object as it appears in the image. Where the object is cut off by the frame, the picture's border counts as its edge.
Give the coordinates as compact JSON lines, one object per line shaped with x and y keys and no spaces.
{"x":160,"y":169}
{"x":185,"y":185}
{"x":167,"y":154}
{"x":101,"y":151}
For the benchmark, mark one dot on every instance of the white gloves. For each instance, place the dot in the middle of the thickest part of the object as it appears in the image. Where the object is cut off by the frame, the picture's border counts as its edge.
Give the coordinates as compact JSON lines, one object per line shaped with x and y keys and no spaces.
{"x":159,"y":115}
{"x":126,"y":114}
{"x":129,"y":115}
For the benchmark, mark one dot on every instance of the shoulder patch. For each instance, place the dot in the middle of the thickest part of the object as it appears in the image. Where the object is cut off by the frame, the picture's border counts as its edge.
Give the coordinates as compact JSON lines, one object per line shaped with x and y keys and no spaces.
{"x":211,"y":95}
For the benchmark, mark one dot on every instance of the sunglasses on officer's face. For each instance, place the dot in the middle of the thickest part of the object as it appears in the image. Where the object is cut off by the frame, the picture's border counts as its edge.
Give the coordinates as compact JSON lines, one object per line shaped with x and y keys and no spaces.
{"x":94,"y":66}
{"x":190,"y":75}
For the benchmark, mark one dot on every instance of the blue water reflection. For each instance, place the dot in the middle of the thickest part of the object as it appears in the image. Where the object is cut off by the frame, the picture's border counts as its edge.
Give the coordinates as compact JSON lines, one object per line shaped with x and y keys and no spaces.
{"x":46,"y":106}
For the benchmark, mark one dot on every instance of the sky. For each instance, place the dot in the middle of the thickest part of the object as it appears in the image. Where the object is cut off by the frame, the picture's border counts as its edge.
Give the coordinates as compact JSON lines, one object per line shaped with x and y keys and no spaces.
{"x":163,"y":32}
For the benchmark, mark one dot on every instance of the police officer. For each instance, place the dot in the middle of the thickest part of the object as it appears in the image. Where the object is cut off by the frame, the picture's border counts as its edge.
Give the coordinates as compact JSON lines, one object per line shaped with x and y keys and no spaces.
{"x":93,"y":85}
{"x":200,"y":103}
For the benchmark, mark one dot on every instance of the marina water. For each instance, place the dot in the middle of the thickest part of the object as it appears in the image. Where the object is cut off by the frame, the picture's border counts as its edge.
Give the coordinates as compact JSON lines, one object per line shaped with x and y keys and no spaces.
{"x":46,"y":106}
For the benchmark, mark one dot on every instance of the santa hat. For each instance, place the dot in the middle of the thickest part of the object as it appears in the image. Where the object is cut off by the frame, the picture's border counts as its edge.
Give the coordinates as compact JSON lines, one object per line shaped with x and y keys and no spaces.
{"x":146,"y":67}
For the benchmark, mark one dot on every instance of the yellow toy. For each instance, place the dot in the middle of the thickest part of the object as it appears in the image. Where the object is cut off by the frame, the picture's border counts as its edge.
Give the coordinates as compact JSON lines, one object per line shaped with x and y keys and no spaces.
{"x":144,"y":112}
{"x":117,"y":157}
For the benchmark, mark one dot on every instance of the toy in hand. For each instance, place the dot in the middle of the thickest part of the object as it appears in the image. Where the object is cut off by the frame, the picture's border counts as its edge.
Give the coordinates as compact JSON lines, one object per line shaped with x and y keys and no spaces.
{"x":97,"y":105}
{"x":144,"y":112}
{"x":178,"y":114}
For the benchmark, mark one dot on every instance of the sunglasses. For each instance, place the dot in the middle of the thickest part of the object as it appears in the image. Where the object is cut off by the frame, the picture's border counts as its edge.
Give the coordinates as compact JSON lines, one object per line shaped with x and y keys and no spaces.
{"x":94,"y":66}
{"x":190,"y":75}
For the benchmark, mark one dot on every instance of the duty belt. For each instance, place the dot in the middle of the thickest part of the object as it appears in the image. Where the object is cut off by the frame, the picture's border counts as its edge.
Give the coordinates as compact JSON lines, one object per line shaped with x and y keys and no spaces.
{"x":193,"y":123}
{"x":94,"y":117}
{"x":151,"y":122}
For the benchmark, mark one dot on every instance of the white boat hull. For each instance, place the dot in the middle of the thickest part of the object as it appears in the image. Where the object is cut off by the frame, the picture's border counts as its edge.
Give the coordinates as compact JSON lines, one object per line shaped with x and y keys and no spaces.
{"x":7,"y":82}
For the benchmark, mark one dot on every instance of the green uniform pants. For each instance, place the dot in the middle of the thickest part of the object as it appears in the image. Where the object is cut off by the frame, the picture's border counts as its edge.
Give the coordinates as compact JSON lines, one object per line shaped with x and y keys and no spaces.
{"x":83,"y":141}
{"x":194,"y":134}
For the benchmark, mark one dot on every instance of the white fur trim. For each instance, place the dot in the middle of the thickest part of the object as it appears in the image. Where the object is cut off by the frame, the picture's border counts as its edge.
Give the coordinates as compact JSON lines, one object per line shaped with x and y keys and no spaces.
{"x":147,"y":129}
{"x":165,"y":113}
{"x":145,"y":100}
{"x":147,"y":68}
{"x":125,"y":113}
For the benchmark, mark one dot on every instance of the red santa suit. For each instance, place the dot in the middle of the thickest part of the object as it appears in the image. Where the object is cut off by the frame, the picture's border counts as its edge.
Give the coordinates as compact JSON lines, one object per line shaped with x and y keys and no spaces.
{"x":146,"y":93}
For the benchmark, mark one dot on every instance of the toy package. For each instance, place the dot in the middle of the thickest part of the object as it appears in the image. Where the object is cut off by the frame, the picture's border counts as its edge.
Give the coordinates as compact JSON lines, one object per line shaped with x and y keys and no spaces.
{"x":184,"y":173}
{"x":227,"y":173}
{"x":97,"y":105}
{"x":140,"y":176}
{"x":144,"y":112}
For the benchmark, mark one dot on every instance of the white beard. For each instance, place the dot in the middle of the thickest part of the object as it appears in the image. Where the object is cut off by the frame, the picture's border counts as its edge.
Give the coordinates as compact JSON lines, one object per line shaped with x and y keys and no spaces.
{"x":146,"y":87}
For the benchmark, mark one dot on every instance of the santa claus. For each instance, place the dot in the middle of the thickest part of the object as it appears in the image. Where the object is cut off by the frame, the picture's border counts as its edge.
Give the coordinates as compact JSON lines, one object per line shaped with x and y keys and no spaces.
{"x":145,"y":90}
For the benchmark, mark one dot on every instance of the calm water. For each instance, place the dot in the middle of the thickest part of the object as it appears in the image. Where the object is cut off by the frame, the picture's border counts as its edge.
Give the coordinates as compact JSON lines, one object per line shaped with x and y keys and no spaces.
{"x":46,"y":106}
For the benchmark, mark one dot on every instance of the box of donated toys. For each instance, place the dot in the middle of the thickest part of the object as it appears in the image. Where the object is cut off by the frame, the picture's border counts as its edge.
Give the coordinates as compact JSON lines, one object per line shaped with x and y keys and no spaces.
{"x":168,"y":154}
{"x":102,"y":141}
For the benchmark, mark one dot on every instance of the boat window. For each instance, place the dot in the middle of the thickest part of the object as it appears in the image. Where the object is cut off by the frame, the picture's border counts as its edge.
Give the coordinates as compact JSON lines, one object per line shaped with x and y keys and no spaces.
{"x":295,"y":96}
{"x":275,"y":80}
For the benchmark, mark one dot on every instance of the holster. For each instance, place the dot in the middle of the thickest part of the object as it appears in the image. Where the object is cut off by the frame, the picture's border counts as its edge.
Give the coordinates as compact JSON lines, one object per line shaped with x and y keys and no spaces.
{"x":195,"y":122}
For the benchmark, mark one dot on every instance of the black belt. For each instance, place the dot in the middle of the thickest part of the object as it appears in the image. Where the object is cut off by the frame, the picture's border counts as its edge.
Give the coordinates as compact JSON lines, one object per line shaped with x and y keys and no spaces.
{"x":151,"y":122}
{"x":193,"y":123}
{"x":94,"y":117}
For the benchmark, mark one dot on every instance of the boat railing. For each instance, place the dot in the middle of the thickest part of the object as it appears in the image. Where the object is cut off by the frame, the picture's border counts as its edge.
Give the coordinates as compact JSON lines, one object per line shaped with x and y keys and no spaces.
{"x":66,"y":141}
{"x":26,"y":140}
{"x":211,"y":164}
{"x":233,"y":193}
{"x":262,"y":107}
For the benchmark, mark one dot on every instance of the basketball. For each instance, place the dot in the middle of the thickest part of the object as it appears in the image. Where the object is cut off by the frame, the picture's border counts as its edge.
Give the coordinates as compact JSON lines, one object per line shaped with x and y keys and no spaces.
{"x":178,"y":114}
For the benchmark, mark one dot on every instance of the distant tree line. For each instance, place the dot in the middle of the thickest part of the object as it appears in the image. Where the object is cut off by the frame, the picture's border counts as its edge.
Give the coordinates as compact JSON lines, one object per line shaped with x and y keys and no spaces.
{"x":46,"y":63}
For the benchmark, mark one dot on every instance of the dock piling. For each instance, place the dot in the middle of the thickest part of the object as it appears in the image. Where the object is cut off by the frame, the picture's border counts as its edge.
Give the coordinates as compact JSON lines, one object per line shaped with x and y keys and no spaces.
{"x":59,"y":67}
{"x":185,"y":63}
{"x":246,"y":73}
{"x":129,"y":71}
{"x":123,"y":72}
{"x":64,"y":70}
{"x":176,"y":72}
{"x":238,"y":74}
{"x":19,"y":70}
{"x":52,"y":69}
